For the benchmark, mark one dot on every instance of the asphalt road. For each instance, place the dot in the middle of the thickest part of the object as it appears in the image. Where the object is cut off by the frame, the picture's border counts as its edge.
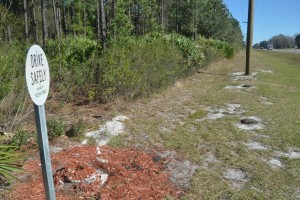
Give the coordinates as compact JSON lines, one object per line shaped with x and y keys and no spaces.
{"x":288,"y":50}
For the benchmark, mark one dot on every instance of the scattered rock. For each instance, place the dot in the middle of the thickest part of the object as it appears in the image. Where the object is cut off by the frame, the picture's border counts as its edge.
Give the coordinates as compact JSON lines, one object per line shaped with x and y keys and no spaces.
{"x":275,"y":163}
{"x":120,"y":118}
{"x":181,"y":172}
{"x":7,"y":134}
{"x":256,"y":146}
{"x":293,"y":153}
{"x":103,"y":176}
{"x":106,"y":132}
{"x":265,"y":101}
{"x":265,"y":71}
{"x":212,"y":116}
{"x":232,"y":108}
{"x":54,"y":149}
{"x":237,"y":76}
{"x":168,"y":154}
{"x":233,"y":87}
{"x":214,"y":113}
{"x":297,"y":194}
{"x":237,"y":177}
{"x":239,"y":87}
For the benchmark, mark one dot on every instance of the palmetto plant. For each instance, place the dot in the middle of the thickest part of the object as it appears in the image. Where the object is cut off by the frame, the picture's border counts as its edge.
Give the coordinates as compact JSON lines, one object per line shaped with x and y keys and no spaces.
{"x":9,"y":162}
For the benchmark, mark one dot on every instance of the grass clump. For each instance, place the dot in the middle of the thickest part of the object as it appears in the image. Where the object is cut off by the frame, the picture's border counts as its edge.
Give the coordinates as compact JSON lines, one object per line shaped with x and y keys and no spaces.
{"x":56,"y":128}
{"x":198,"y":114}
{"x":21,"y":138}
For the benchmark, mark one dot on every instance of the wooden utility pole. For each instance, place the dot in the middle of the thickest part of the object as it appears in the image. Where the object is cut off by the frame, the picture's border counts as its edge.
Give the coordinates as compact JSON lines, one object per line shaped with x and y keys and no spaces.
{"x":249,"y":35}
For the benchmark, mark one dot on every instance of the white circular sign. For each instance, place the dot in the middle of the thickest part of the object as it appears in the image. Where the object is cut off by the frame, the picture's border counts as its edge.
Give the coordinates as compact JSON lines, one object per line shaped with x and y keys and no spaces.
{"x":37,"y":75}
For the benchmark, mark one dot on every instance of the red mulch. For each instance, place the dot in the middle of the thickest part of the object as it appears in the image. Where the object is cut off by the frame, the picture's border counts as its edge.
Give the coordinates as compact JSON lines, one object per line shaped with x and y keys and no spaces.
{"x":133,"y":174}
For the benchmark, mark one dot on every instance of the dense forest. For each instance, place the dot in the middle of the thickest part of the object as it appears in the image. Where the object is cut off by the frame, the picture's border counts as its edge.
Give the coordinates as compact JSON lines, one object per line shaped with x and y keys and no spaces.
{"x":98,"y":50}
{"x":40,"y":20}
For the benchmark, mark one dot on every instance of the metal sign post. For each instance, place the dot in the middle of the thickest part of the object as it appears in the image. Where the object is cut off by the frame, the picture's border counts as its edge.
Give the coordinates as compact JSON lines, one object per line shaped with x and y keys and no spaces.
{"x":40,"y":118}
{"x":38,"y":82}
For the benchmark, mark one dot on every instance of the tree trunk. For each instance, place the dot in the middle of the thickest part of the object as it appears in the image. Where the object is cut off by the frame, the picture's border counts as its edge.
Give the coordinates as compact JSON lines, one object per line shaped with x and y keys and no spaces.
{"x":103,"y":24}
{"x":176,"y":16}
{"x":58,"y":11}
{"x":113,"y":9}
{"x":56,"y":28}
{"x":26,"y":19}
{"x":9,"y":36}
{"x":195,"y":21}
{"x":64,"y":20}
{"x":98,"y":22}
{"x":84,"y":18}
{"x":44,"y":21}
{"x":162,"y":14}
{"x":34,"y":22}
{"x":72,"y":19}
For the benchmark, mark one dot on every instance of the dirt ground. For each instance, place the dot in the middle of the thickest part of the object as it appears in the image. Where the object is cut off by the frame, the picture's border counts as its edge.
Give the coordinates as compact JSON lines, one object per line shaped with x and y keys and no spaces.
{"x":89,"y":172}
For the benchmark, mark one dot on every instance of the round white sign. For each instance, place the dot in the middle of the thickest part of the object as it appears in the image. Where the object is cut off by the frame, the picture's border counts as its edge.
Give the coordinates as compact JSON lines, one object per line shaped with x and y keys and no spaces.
{"x":37,"y":75}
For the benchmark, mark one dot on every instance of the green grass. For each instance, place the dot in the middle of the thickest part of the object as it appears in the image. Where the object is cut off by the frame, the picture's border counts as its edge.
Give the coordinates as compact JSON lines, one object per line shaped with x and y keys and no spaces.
{"x":170,"y":121}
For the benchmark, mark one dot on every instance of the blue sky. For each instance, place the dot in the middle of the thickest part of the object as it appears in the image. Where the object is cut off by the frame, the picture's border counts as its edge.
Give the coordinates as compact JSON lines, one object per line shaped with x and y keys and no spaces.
{"x":271,"y":17}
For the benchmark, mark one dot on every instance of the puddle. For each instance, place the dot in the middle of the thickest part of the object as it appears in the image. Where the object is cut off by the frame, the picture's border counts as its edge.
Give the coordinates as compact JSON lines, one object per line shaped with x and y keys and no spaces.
{"x":256,"y":146}
{"x":106,"y":132}
{"x":251,"y":126}
{"x":237,"y":177}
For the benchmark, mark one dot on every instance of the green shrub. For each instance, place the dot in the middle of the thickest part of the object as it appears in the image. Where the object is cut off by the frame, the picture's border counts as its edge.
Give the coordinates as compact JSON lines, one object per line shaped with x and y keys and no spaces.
{"x":20,"y":138}
{"x":56,"y":128}
{"x":76,"y":130}
{"x":69,"y":67}
{"x":223,"y":47}
{"x":191,"y":51}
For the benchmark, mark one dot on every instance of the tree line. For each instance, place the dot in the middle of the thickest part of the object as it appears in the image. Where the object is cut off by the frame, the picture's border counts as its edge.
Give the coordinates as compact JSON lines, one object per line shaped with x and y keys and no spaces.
{"x":279,"y":42}
{"x":40,"y":20}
